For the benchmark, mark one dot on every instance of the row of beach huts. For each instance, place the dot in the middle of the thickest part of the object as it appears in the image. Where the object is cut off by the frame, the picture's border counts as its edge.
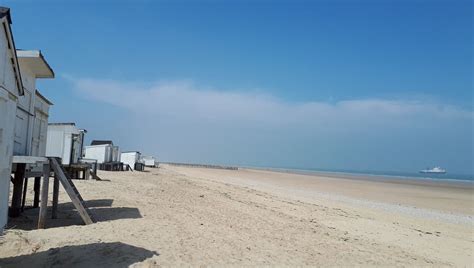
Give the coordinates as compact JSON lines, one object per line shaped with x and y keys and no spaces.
{"x":31,"y":147}
{"x":79,"y":159}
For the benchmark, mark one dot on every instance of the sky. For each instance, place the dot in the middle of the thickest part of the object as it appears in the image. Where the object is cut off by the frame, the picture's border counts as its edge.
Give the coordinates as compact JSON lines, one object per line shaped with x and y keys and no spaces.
{"x":358,"y":85}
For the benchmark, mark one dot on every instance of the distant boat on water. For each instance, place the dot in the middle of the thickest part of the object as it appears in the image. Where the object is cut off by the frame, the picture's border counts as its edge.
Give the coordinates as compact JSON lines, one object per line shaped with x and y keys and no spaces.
{"x":435,"y":170}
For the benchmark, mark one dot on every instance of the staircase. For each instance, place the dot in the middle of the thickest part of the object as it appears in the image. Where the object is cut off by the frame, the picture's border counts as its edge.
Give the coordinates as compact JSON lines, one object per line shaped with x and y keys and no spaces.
{"x":71,"y":190}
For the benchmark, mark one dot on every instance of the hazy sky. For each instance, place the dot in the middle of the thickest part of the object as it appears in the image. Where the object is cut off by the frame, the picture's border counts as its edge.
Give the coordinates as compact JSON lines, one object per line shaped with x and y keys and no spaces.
{"x":362,"y":85}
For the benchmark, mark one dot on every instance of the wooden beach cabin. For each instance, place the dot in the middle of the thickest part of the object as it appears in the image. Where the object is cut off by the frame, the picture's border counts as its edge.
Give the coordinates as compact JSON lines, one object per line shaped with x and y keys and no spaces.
{"x":11,"y":89}
{"x":32,"y":106}
{"x":66,"y":141}
{"x":29,"y":141}
{"x":132,"y":160}
{"x":149,"y":161}
{"x":106,"y":154}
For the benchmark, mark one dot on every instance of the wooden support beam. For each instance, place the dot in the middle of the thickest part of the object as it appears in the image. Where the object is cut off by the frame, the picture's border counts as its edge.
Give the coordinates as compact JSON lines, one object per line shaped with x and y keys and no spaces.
{"x":17,"y":190}
{"x":55,"y":197}
{"x":37,"y":192}
{"x":71,"y":191}
{"x":25,"y":189}
{"x":22,"y":159}
{"x":44,"y":197}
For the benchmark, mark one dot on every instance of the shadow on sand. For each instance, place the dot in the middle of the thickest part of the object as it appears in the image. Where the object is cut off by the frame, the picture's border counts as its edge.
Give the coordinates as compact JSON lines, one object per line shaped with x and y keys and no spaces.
{"x":67,"y":215}
{"x":115,"y":254}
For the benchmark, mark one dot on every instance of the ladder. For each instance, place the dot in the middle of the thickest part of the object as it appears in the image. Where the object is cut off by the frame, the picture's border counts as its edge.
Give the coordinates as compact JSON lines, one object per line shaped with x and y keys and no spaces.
{"x":72,"y":191}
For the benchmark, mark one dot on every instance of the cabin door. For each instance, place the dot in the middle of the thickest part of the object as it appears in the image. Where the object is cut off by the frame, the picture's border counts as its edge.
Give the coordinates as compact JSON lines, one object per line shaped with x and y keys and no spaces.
{"x":38,"y":141}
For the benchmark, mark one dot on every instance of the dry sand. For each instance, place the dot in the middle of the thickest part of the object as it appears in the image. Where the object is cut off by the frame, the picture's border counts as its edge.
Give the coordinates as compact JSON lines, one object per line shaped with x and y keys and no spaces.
{"x":194,"y":216}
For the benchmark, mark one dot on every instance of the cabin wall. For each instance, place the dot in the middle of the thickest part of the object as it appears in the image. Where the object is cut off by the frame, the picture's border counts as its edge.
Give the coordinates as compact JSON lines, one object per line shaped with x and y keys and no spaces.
{"x":7,"y":119}
{"x":149,"y":161}
{"x":25,"y":115}
{"x":60,"y":142}
{"x":101,"y":153}
{"x":115,"y":154}
{"x":77,"y":146}
{"x":7,"y":75}
{"x":130,"y":159}
{"x":40,"y":127}
{"x":8,"y":107}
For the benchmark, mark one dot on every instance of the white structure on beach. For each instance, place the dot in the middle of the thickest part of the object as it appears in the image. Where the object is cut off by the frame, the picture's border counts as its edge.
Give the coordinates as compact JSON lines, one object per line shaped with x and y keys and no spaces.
{"x":32,"y":108}
{"x":66,"y":141}
{"x":132,"y":159}
{"x":115,"y":154}
{"x":23,"y":110}
{"x":149,"y":161}
{"x":102,"y":151}
{"x":11,"y":89}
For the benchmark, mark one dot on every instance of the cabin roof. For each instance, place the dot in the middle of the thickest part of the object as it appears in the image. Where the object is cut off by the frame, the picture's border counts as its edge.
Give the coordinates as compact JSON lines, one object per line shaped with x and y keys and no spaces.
{"x":43,"y":98}
{"x":35,"y":60}
{"x":101,"y":142}
{"x":5,"y":14}
{"x":62,"y":124}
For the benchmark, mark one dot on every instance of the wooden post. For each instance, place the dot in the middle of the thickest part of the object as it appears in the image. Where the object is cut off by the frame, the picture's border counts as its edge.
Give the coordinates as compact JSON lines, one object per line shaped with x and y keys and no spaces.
{"x":23,"y":200}
{"x":37,"y":192}
{"x":86,"y":173}
{"x":44,"y":196}
{"x":55,"y":197}
{"x":17,"y":190}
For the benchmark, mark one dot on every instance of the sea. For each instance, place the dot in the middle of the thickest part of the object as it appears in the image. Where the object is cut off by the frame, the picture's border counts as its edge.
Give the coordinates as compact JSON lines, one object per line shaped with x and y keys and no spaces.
{"x":447,"y":177}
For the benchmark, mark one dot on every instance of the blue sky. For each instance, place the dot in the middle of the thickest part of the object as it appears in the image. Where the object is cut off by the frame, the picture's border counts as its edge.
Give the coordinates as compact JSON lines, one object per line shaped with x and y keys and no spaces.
{"x":368,"y":85}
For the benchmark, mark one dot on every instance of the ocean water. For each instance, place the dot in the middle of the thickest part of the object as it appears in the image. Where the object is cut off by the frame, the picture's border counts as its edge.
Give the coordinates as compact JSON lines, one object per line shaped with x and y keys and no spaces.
{"x":382,"y":174}
{"x":406,"y":175}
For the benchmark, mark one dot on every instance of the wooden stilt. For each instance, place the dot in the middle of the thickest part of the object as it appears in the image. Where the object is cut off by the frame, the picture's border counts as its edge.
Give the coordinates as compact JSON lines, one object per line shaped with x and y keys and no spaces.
{"x":23,"y":199}
{"x":17,"y":190}
{"x":37,"y":192}
{"x":44,"y":197}
{"x":55,"y":197}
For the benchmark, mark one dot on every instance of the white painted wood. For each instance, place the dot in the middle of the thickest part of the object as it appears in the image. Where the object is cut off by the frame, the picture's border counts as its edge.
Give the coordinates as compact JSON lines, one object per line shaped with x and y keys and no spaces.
{"x":29,"y":159}
{"x":130,"y":158}
{"x":32,"y":66}
{"x":115,"y":154}
{"x":149,"y":161}
{"x":102,"y":153}
{"x":9,"y":93}
{"x":40,"y":126}
{"x":65,"y":141}
{"x":7,"y":117}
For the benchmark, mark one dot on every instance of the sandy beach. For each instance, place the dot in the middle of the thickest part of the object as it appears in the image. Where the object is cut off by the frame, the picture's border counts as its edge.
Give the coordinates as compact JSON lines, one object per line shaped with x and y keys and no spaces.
{"x":172,"y":216}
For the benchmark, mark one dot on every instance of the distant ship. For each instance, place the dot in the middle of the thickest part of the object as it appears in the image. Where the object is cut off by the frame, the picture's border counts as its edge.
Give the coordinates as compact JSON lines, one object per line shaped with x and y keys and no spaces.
{"x":435,"y":170}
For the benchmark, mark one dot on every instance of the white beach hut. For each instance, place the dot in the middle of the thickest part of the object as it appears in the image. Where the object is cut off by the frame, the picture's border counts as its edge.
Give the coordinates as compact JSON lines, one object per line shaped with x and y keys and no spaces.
{"x":149,"y":161}
{"x":32,"y":66}
{"x":106,"y":154}
{"x":101,"y":150}
{"x":102,"y":153}
{"x":11,"y":89}
{"x":133,"y":160}
{"x":66,"y":141}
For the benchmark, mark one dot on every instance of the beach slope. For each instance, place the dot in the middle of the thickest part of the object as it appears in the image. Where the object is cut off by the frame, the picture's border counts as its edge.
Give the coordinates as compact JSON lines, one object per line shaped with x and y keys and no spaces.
{"x":172,"y":216}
